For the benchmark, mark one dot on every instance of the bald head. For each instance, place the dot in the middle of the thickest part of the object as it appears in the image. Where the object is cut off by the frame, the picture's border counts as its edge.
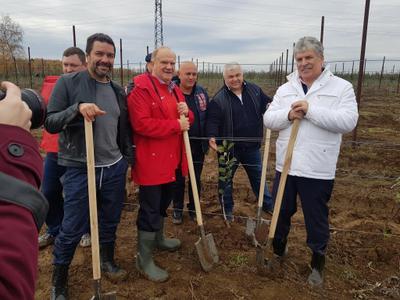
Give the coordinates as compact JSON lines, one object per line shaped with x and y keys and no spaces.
{"x":163,"y":59}
{"x":187,"y":75}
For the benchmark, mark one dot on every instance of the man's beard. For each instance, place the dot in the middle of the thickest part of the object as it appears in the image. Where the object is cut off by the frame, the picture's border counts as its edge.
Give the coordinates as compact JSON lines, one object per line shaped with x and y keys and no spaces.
{"x":101,"y":74}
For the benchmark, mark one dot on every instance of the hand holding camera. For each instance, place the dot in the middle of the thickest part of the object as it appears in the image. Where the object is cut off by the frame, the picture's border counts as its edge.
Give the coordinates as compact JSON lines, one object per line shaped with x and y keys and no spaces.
{"x":28,"y":113}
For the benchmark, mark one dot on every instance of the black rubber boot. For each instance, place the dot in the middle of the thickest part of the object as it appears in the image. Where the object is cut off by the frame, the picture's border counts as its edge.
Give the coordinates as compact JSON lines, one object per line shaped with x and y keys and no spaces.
{"x":317,"y":264}
{"x":59,"y":288}
{"x":108,"y":266}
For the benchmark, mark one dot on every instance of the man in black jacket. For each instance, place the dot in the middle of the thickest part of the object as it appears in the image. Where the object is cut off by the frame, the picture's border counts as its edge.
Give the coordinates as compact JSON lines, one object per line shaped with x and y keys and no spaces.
{"x":197,"y":99}
{"x":90,"y":95}
{"x":236,"y":114}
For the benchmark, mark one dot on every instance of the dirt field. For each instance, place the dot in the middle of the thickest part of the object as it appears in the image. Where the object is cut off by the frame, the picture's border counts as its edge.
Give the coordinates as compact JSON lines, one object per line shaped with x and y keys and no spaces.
{"x":363,"y":254}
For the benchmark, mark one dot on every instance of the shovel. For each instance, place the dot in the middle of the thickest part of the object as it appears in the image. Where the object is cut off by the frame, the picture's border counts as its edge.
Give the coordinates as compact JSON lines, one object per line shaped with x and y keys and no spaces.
{"x":94,"y":233}
{"x":205,"y":246}
{"x":255,"y":229}
{"x":278,"y":201}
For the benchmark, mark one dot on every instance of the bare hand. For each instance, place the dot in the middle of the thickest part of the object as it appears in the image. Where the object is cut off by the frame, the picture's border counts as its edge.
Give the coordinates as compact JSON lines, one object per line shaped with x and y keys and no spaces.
{"x":299,"y":110}
{"x":295,"y":115}
{"x":90,"y":110}
{"x":183,"y":108}
{"x":184,"y":123}
{"x":213,"y":144}
{"x":13,"y":111}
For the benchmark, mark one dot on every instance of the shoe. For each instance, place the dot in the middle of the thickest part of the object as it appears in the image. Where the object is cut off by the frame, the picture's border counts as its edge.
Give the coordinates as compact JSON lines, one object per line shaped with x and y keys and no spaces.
{"x":177,"y":217}
{"x":85,"y":240}
{"x":108,"y":266}
{"x":59,"y":288}
{"x":46,"y":240}
{"x":315,"y":279}
{"x":144,"y":259}
{"x":164,"y":243}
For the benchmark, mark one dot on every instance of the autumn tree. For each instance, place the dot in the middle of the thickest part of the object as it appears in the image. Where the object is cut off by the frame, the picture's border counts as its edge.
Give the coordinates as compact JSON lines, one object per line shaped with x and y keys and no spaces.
{"x":11,"y":38}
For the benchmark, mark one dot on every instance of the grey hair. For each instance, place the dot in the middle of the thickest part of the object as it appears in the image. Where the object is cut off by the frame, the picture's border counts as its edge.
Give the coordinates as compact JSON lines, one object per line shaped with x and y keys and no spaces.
{"x":232,"y":66}
{"x":155,"y":52}
{"x":307,"y":43}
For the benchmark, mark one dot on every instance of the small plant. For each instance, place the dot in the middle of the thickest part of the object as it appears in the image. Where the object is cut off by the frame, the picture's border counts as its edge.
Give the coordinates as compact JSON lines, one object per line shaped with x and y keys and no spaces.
{"x":238,"y":260}
{"x":226,"y":162}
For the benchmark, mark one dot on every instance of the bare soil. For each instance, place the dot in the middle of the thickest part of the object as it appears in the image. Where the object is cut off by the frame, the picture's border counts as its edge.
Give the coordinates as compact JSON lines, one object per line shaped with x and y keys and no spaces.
{"x":363,"y":254}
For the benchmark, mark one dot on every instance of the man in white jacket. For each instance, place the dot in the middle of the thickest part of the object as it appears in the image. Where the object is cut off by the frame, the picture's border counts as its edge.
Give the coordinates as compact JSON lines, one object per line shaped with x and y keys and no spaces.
{"x":327,"y":108}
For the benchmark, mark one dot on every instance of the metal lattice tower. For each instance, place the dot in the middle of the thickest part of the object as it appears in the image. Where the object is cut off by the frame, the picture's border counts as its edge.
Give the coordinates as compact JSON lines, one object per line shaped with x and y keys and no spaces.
{"x":158,"y":25}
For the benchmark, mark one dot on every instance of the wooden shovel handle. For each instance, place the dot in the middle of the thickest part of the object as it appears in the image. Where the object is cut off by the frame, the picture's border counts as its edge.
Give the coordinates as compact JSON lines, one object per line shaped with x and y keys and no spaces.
{"x":282,"y":181}
{"x":94,"y":233}
{"x":192,"y":177}
{"x":264,"y":168}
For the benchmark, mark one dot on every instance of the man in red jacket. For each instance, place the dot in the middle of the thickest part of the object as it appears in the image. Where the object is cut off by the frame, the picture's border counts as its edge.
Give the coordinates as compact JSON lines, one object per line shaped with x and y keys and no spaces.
{"x":73,"y":60}
{"x":22,"y":207}
{"x":155,"y":107}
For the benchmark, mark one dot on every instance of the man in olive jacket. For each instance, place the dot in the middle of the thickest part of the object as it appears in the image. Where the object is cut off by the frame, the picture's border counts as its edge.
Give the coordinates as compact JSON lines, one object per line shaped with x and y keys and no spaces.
{"x":90,"y":95}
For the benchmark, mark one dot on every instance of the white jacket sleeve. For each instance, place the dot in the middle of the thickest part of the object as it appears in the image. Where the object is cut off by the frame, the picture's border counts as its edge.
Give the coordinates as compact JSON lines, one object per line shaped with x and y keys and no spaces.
{"x":276,"y":116}
{"x":341,"y":119}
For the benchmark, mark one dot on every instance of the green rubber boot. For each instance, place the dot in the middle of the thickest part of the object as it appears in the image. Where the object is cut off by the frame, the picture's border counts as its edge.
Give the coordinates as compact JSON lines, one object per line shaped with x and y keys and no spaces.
{"x":144,"y":260}
{"x":164,"y":243}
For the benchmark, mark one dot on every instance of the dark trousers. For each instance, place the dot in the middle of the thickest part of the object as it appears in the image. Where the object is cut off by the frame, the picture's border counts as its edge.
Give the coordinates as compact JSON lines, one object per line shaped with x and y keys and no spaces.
{"x":52,"y":189}
{"x":250,"y":158}
{"x":154,"y":201}
{"x":110,"y":188}
{"x":314,"y":196}
{"x":179,"y":184}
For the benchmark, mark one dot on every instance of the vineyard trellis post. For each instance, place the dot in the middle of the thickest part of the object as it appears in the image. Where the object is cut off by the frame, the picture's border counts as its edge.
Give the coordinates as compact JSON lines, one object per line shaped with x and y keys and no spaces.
{"x":321,"y":39}
{"x":121,"y":73}
{"x":73,"y":35}
{"x":382,"y":70}
{"x":286,"y":67}
{"x":30,"y":67}
{"x":361,"y":65}
{"x":294,"y":44}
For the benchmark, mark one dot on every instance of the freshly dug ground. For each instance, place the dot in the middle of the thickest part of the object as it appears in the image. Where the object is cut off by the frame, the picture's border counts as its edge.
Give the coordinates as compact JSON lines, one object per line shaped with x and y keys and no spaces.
{"x":363,"y":254}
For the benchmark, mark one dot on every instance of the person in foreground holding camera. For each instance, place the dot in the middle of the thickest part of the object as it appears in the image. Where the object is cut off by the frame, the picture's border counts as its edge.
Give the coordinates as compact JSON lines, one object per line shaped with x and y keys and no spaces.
{"x":327,"y":108}
{"x":22,"y":208}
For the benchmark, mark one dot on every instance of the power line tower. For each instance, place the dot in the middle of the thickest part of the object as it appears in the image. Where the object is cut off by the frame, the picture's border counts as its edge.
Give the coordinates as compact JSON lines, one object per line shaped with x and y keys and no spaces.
{"x":158,"y":25}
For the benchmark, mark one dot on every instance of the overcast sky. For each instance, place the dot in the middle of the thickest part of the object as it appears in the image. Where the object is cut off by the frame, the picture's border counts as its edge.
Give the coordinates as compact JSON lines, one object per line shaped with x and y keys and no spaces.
{"x":247,"y":31}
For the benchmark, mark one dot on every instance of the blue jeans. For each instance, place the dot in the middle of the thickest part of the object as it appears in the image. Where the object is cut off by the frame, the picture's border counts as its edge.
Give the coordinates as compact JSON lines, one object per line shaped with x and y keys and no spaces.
{"x":110,"y":188}
{"x":250,"y":158}
{"x":52,"y":189}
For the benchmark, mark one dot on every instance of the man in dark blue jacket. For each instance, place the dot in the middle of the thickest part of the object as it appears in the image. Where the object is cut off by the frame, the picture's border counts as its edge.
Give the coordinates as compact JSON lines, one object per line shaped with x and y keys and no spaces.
{"x":197,"y":99}
{"x":90,"y":95}
{"x":236,"y":114}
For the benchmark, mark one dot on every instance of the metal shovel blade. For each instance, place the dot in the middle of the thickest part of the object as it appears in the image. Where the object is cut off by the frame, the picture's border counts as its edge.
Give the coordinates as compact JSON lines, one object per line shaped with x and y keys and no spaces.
{"x":207,"y":252}
{"x":257,"y":233}
{"x":98,"y":295}
{"x":105,"y":296}
{"x":250,"y":227}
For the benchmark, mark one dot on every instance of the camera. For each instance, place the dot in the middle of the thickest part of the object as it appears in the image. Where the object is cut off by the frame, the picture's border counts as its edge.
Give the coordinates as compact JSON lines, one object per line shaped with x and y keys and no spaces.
{"x":35,"y":104}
